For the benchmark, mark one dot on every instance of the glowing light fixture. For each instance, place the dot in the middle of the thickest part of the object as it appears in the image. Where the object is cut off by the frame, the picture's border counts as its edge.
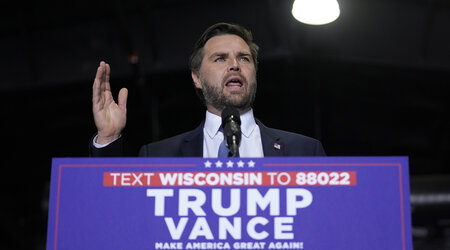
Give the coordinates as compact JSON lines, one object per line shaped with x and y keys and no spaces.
{"x":316,"y":12}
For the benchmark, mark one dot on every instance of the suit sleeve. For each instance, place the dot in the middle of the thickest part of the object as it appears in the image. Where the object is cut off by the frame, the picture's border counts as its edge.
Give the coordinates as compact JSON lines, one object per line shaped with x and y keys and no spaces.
{"x":319,"y":151}
{"x":115,"y":149}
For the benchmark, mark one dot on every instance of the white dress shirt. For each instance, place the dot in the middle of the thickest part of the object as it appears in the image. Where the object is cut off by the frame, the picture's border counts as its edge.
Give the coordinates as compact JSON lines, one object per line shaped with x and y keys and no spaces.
{"x":250,"y":146}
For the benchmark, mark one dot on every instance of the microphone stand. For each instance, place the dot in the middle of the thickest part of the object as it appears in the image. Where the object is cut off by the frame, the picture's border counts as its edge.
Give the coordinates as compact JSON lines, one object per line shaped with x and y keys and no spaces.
{"x":234,"y":149}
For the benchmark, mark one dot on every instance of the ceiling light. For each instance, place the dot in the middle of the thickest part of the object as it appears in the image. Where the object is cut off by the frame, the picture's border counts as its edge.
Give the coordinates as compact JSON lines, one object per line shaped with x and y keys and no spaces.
{"x":315,"y":12}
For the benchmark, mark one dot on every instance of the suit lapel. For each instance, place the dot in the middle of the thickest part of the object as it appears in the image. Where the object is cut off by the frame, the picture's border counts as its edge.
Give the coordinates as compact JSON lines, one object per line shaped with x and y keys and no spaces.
{"x":272,"y":145}
{"x":192,"y":146}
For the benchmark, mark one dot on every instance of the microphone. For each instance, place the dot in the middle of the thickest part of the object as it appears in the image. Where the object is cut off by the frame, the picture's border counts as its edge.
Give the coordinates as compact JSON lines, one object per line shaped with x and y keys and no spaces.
{"x":231,"y":124}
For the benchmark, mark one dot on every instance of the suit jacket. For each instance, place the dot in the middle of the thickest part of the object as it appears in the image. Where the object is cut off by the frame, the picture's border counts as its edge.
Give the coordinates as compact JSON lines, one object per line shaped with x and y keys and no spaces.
{"x":190,"y":144}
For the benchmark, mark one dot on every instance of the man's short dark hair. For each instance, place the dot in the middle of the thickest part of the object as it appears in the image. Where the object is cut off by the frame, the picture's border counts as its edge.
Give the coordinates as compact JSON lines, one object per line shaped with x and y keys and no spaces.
{"x":195,"y":60}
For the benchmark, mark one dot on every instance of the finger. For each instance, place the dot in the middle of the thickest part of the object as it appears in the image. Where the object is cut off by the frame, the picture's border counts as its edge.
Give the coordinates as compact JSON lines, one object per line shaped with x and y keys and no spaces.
{"x":100,"y":73}
{"x":96,"y":88}
{"x":123,"y":96}
{"x":107,"y":72}
{"x":105,"y":76}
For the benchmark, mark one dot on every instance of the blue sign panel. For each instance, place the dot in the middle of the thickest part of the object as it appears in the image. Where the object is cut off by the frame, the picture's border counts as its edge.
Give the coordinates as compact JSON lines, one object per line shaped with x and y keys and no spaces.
{"x":308,"y":203}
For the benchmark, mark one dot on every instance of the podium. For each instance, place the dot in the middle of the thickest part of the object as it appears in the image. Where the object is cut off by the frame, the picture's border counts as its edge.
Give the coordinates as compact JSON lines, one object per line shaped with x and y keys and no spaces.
{"x":230,"y":203}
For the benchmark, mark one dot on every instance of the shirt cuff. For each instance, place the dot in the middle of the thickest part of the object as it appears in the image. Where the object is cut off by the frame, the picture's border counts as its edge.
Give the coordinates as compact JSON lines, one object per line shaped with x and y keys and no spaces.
{"x":96,"y":145}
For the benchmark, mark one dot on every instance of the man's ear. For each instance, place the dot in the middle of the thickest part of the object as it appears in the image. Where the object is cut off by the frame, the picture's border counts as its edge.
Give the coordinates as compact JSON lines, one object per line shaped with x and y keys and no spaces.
{"x":196,"y":79}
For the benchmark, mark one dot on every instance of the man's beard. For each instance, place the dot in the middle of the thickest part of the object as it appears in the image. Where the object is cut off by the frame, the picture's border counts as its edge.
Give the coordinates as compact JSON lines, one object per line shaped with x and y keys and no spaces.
{"x":214,"y":96}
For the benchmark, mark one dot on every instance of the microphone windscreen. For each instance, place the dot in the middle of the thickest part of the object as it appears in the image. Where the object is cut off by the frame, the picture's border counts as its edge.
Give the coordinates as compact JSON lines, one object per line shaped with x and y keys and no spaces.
{"x":230,"y":113}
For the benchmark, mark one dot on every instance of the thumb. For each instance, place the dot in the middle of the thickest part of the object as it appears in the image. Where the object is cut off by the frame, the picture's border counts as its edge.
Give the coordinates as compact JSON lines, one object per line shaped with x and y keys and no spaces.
{"x":123,"y":96}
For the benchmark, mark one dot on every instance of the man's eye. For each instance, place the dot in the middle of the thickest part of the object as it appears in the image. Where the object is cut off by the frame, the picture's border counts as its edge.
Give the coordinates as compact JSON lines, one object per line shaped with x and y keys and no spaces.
{"x":245,"y":59}
{"x":219,"y":59}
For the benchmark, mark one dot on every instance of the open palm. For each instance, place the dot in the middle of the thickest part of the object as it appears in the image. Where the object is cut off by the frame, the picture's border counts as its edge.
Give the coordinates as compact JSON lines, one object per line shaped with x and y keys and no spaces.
{"x":110,"y":117}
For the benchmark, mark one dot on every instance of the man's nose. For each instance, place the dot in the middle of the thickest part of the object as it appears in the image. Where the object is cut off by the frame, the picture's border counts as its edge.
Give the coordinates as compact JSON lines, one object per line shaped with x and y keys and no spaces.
{"x":234,"y":65}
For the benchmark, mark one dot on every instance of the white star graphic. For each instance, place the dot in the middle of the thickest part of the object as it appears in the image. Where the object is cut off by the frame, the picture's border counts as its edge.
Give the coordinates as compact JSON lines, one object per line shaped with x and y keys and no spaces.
{"x":218,"y":164}
{"x":230,"y":164}
{"x":240,"y":164}
{"x":207,"y":164}
{"x":251,"y":164}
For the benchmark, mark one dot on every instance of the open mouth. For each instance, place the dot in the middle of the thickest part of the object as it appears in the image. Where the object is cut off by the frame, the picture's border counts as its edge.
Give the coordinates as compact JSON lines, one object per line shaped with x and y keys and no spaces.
{"x":234,"y":82}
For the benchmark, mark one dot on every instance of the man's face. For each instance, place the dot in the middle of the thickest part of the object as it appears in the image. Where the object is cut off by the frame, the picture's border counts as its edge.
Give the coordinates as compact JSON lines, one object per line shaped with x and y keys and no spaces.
{"x":227,"y":74}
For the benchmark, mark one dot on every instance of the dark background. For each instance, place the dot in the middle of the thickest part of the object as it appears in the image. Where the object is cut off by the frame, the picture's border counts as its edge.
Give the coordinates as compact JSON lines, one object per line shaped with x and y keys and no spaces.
{"x":373,"y":83}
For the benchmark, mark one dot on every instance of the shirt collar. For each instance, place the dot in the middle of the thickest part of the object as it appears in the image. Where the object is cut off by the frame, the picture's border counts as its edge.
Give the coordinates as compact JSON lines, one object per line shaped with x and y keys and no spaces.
{"x":213,"y":123}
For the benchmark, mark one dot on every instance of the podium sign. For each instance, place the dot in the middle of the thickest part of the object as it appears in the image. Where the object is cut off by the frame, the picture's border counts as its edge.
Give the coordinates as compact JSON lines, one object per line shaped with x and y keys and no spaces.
{"x":308,"y":203}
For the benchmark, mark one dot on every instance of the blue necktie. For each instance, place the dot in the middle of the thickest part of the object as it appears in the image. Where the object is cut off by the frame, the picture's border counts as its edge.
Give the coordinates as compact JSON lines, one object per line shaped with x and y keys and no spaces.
{"x":223,"y":150}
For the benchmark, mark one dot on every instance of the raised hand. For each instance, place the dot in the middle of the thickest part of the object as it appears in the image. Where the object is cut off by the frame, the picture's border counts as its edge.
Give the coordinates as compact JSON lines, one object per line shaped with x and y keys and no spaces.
{"x":110,"y":117}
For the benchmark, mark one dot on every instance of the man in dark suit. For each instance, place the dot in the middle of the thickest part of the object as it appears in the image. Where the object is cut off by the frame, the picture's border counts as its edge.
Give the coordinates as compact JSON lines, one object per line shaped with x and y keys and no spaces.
{"x":223,"y":68}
